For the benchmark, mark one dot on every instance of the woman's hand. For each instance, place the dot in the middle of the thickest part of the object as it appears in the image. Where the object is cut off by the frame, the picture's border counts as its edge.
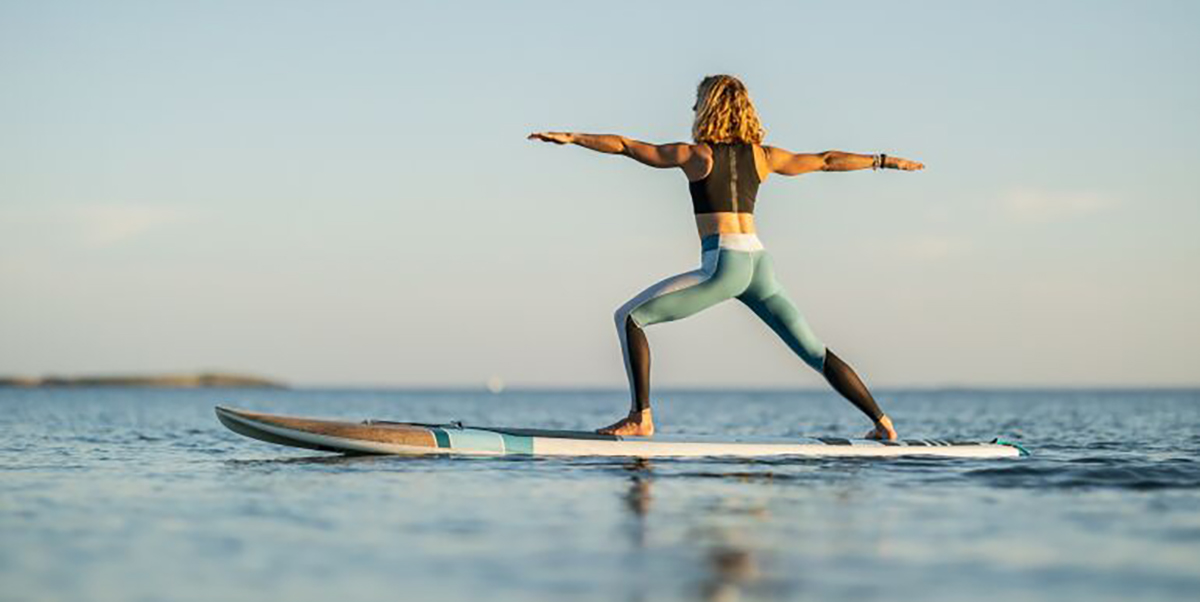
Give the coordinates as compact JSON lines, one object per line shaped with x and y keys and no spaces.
{"x":904,"y":164}
{"x":555,"y":137}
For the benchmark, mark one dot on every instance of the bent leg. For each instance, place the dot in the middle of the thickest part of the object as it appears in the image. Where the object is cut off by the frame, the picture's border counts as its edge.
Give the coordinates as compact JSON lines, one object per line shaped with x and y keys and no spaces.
{"x":721,"y":276}
{"x":637,"y":364}
{"x":729,"y":275}
{"x":635,"y":349}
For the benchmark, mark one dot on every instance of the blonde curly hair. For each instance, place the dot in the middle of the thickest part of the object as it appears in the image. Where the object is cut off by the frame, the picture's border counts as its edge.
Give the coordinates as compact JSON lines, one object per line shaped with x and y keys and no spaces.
{"x":724,"y":113}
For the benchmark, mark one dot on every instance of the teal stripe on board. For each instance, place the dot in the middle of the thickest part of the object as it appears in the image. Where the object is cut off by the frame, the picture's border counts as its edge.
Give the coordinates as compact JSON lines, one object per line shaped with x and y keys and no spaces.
{"x":515,"y":444}
{"x":443,"y":440}
{"x":475,"y":440}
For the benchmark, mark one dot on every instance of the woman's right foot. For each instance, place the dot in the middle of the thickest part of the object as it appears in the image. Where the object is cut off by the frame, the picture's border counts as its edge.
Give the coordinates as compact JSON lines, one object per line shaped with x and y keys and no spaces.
{"x":636,"y":424}
{"x":883,"y":430}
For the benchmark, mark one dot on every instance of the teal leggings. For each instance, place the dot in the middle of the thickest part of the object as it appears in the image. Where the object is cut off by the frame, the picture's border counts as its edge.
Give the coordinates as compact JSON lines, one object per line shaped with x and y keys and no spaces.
{"x":725,"y":273}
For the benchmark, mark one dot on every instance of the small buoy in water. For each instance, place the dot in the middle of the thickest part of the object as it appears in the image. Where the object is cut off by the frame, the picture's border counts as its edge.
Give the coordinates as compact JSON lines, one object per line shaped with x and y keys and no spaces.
{"x":495,"y":384}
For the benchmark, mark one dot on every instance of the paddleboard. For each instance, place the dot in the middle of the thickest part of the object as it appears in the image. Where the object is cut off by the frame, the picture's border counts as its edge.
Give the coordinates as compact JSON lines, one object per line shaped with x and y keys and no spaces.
{"x":384,"y":437}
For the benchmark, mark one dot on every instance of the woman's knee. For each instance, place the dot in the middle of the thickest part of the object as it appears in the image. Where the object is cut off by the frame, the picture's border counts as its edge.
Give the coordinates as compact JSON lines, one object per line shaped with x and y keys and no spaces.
{"x":813,"y":354}
{"x":627,"y":314}
{"x":620,"y":316}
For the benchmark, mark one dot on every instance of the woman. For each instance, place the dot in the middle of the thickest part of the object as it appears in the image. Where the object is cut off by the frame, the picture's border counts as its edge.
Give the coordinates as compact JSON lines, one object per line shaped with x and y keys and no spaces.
{"x":724,"y":168}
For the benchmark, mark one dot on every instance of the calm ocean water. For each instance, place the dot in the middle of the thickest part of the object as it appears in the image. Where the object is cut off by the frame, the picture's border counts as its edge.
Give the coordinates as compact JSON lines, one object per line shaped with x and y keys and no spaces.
{"x":141,"y":495}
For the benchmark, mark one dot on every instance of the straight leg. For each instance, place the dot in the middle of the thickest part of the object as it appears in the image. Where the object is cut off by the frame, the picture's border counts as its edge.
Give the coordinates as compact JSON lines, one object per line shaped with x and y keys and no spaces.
{"x":767,"y":299}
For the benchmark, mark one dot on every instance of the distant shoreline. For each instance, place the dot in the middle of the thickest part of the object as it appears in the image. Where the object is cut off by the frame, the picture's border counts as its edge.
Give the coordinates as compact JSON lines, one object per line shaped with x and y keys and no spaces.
{"x":205,"y":380}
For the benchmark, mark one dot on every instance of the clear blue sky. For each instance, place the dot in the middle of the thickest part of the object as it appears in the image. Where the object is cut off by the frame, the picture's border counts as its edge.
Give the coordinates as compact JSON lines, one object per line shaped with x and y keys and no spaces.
{"x":341,"y":192}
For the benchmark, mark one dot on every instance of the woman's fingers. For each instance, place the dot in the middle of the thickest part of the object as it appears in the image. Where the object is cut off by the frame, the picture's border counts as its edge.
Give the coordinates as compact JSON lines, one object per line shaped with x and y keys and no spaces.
{"x":555,"y":137}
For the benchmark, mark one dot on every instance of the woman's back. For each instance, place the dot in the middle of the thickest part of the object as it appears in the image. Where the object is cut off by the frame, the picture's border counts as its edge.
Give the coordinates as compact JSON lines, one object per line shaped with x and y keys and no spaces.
{"x":731,"y":184}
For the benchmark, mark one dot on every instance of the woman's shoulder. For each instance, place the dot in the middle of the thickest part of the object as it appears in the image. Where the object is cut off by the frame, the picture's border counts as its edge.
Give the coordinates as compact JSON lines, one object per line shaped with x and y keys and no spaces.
{"x":700,"y":163}
{"x":703,"y":151}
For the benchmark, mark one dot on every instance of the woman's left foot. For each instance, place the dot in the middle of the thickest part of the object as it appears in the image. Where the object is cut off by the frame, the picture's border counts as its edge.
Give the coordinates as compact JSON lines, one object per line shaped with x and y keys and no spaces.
{"x":883,"y":430}
{"x":636,"y":424}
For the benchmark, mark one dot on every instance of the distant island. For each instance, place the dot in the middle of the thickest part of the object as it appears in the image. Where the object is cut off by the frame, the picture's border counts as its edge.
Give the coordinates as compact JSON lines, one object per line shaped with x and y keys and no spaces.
{"x":175,"y":381}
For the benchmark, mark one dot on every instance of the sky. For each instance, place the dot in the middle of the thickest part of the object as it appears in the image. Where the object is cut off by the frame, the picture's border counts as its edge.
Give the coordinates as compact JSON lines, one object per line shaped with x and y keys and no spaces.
{"x":341,"y":193}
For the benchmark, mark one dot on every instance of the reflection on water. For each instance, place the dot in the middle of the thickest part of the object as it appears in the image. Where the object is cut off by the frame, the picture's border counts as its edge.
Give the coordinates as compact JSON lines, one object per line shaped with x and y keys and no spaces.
{"x":727,"y":565}
{"x":730,"y":569}
{"x":638,"y":498}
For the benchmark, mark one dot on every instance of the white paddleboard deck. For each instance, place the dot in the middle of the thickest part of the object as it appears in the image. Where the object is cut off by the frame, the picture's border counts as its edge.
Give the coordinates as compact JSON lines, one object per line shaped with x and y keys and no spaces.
{"x":382,"y":437}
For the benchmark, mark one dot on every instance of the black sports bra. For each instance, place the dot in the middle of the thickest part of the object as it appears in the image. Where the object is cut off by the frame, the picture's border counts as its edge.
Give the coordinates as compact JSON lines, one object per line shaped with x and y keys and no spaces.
{"x":731,"y":185}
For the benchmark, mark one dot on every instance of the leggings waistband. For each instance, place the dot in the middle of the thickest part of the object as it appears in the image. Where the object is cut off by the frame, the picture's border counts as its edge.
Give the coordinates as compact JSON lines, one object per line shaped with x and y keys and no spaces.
{"x":732,"y":242}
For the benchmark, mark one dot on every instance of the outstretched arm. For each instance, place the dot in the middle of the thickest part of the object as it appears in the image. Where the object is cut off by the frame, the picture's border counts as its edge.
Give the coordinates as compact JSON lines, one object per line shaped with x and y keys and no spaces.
{"x":793,"y":164}
{"x":654,"y":155}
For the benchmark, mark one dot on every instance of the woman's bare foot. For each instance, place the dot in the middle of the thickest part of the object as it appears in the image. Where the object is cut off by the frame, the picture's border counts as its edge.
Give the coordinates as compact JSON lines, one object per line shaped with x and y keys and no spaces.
{"x":883,"y":430}
{"x":636,"y":424}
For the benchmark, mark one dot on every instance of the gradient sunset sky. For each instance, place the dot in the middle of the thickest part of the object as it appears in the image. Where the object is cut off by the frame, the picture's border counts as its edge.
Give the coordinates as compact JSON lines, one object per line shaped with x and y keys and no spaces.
{"x":341,"y":192}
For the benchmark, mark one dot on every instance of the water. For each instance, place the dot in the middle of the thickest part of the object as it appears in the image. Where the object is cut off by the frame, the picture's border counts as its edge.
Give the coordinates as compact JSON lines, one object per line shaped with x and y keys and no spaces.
{"x":141,"y":495}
